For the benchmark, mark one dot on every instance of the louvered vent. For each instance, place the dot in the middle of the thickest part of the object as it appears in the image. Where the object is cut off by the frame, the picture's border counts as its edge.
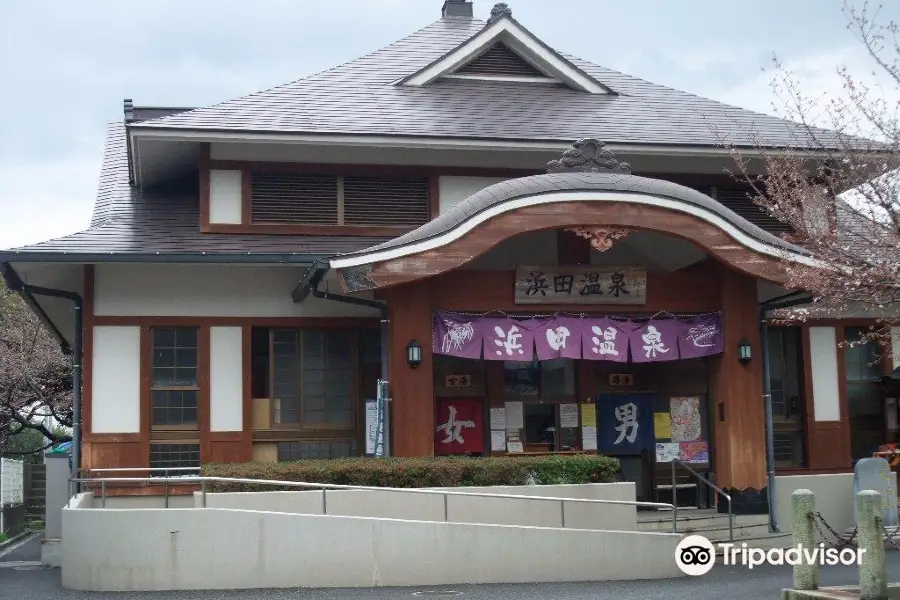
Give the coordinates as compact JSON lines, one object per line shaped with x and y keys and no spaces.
{"x":740,"y":200}
{"x":500,"y":60}
{"x":385,"y":201}
{"x":294,"y":199}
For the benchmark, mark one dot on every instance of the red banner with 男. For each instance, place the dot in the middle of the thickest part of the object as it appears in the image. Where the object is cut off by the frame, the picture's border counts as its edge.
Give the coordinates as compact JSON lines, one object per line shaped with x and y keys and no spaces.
{"x":459,"y":428}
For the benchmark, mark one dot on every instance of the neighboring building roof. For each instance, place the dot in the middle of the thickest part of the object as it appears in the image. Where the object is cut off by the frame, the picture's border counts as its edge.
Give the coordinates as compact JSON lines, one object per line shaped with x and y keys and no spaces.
{"x":164,"y":224}
{"x":367,"y":96}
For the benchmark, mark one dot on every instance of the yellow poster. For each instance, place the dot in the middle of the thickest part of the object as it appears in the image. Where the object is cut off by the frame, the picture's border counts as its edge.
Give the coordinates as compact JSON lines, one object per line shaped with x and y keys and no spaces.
{"x":662,"y":426}
{"x":589,"y":415}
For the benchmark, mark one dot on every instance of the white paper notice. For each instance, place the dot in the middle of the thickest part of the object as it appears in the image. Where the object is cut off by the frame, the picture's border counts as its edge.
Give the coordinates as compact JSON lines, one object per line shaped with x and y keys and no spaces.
{"x":515,"y":417}
{"x":498,"y":419}
{"x":498,"y":441}
{"x":667,"y":452}
{"x":568,"y":415}
{"x":514,"y":446}
{"x":588,"y":438}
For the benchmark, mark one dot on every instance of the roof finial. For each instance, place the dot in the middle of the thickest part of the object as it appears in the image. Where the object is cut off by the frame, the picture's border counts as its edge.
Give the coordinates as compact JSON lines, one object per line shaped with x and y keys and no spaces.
{"x":588,"y":156}
{"x":500,"y":11}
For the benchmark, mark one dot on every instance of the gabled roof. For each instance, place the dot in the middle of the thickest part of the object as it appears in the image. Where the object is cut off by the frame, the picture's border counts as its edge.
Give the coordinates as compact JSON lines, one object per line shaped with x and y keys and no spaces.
{"x":163,"y":224}
{"x":507,"y":31}
{"x":365,"y":97}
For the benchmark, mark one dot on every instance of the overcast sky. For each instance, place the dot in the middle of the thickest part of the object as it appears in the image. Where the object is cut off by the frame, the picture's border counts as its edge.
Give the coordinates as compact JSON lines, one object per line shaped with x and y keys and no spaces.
{"x":65,"y":66}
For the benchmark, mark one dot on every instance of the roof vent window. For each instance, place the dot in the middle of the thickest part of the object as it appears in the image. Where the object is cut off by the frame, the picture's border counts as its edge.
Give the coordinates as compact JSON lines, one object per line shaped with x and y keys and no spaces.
{"x":500,"y":61}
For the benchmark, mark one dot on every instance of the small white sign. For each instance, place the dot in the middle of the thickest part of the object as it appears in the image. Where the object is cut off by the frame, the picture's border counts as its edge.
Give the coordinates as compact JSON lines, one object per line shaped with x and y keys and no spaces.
{"x":666,"y":452}
{"x":371,"y":425}
{"x":568,"y":415}
{"x":514,"y":445}
{"x":588,"y":438}
{"x":515,"y":415}
{"x":498,"y":418}
{"x":498,"y":441}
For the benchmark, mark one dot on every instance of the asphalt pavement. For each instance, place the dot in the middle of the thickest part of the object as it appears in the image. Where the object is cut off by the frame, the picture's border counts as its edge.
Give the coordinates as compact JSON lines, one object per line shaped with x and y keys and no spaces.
{"x":22,"y":581}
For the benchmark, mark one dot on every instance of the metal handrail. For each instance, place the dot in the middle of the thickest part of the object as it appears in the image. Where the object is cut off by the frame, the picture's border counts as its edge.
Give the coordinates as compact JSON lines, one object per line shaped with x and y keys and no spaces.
{"x":708,"y":483}
{"x":333,"y":486}
{"x":165,"y":477}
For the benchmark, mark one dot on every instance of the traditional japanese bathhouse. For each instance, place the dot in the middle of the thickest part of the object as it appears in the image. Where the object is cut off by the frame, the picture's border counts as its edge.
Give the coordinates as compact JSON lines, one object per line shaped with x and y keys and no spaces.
{"x":426,"y":216}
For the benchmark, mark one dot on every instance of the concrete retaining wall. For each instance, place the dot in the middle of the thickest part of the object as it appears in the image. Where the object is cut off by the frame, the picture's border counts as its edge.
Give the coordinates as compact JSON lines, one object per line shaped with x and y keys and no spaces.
{"x":460,"y":509}
{"x":834,"y":498}
{"x":159,"y":549}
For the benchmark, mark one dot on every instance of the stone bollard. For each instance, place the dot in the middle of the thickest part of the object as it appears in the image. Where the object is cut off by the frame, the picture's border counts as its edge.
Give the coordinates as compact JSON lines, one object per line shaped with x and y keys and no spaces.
{"x":872,"y":580}
{"x":803,"y":504}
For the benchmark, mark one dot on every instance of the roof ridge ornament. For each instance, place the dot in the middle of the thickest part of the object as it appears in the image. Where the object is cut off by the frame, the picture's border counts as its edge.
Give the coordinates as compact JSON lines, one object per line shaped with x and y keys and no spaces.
{"x":501,"y":10}
{"x":588,"y":155}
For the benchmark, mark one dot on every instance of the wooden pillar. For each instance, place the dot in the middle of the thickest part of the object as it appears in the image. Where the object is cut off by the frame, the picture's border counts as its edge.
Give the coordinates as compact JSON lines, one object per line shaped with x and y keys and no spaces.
{"x":737,"y":392}
{"x":411,"y":390}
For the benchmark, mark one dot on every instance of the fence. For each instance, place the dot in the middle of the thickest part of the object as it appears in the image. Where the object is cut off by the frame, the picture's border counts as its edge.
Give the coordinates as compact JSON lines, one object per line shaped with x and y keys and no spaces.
{"x":11,"y":495}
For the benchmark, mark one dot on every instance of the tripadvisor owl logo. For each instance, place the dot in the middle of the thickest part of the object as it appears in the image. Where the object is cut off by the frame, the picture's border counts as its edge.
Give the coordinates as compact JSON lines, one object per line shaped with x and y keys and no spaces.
{"x":695,"y":555}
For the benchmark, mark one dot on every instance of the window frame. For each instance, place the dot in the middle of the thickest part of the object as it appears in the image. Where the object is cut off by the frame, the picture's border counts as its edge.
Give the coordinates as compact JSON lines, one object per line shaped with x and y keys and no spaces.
{"x":355,"y":372}
{"x":786,"y":425}
{"x":183,"y":428}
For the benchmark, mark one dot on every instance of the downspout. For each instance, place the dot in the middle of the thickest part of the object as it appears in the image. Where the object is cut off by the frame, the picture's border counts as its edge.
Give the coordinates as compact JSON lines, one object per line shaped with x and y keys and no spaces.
{"x":780,"y":302}
{"x":17,"y":285}
{"x":317,"y":272}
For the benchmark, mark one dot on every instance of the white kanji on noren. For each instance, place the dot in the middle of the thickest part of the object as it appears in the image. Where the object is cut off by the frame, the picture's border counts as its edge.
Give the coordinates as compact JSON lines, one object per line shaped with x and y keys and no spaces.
{"x":508,"y":341}
{"x":453,"y":428}
{"x":626,"y":415}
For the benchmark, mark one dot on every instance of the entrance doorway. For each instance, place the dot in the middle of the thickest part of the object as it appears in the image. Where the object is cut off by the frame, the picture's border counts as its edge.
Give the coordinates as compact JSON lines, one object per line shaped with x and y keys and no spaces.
{"x":669,"y":403}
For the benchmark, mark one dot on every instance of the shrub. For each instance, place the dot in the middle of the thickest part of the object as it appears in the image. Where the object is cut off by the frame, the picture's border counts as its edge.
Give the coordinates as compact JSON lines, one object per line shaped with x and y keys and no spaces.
{"x":420,"y":472}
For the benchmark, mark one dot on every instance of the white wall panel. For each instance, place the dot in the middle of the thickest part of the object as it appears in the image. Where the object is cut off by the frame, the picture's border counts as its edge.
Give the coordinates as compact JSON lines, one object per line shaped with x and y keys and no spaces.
{"x":209,"y":291}
{"x":225,"y":193}
{"x":826,"y":388}
{"x":226,"y":392}
{"x":454,"y":189}
{"x":116,"y":380}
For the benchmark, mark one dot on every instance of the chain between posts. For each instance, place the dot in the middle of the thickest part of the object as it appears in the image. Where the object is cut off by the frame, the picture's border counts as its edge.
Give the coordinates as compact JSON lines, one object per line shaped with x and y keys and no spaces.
{"x":841,"y":541}
{"x":891,"y":538}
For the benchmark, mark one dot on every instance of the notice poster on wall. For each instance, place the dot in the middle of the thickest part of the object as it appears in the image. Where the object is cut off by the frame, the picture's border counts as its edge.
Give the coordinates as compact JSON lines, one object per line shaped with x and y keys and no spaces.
{"x":374,"y":429}
{"x":694,"y":452}
{"x":589,"y":415}
{"x":589,"y":438}
{"x":498,"y":418}
{"x":662,"y":426}
{"x":685,"y":419}
{"x":666,"y":452}
{"x":514,"y":446}
{"x":498,"y":441}
{"x":515,"y":415}
{"x":568,"y":415}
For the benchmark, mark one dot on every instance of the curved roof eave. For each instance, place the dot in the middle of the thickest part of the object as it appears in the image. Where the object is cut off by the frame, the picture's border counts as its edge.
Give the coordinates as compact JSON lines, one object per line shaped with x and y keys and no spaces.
{"x":510,"y":195}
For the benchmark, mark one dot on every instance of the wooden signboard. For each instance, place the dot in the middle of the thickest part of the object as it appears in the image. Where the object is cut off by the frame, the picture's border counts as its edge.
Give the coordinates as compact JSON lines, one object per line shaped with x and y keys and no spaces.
{"x":621,"y":380}
{"x":580,"y":285}
{"x":458,"y":381}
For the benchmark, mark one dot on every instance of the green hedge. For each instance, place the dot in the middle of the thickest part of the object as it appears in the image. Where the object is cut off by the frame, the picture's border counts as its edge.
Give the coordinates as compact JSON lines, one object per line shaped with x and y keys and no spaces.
{"x":421,"y":472}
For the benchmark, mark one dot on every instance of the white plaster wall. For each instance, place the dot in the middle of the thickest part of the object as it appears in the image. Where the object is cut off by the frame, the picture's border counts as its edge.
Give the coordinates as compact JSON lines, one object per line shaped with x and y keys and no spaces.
{"x":236,"y":549}
{"x":226,"y":397}
{"x":116,"y":380}
{"x":209,"y":291}
{"x":826,"y":394}
{"x":455,"y":189}
{"x":225,"y":197}
{"x":392,"y":504}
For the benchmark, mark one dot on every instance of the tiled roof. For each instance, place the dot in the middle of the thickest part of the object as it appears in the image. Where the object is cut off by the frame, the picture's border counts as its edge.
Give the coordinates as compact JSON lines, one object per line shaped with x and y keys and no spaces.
{"x":362,"y":97}
{"x":129,"y":224}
